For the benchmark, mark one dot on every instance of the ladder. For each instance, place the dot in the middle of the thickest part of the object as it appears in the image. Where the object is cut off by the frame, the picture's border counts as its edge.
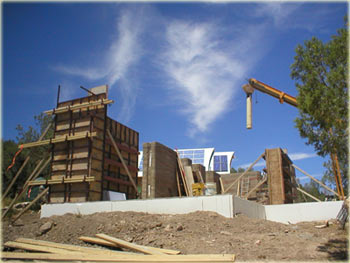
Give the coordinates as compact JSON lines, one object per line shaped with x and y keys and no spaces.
{"x":244,"y":186}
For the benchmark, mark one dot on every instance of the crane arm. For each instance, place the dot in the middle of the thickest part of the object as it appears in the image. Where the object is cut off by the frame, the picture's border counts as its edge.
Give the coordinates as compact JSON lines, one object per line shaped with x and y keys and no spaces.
{"x":283,"y":97}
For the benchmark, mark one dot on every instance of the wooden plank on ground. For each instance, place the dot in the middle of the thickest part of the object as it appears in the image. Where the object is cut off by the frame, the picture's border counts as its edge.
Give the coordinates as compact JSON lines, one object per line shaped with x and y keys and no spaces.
{"x":129,"y":245}
{"x":37,"y":248}
{"x":99,"y":241}
{"x":122,"y":258}
{"x":71,"y":247}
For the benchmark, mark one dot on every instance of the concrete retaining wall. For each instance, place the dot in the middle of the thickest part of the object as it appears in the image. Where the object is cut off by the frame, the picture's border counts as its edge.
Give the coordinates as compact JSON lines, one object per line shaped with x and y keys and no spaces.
{"x":221,"y":204}
{"x":294,"y":213}
{"x":225,"y":205}
{"x":288,"y":213}
{"x":248,"y":208}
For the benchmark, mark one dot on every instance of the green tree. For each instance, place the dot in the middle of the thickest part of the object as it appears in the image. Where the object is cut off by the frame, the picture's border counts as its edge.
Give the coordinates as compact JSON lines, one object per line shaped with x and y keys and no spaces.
{"x":239,"y":170}
{"x":320,"y":72}
{"x":314,"y":189}
{"x":10,"y":147}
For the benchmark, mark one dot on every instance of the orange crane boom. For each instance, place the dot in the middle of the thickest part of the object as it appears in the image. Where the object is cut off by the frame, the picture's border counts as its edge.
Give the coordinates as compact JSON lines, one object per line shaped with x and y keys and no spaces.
{"x":284,"y":97}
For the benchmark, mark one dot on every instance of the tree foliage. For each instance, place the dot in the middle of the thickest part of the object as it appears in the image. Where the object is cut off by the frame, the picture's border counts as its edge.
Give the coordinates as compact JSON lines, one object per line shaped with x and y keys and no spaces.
{"x":320,"y":72}
{"x":239,"y":170}
{"x":10,"y":147}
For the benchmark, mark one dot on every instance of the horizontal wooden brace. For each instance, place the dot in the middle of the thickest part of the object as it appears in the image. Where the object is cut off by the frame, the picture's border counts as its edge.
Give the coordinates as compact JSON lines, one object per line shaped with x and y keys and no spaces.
{"x":58,"y":139}
{"x":63,"y":181}
{"x":79,"y":106}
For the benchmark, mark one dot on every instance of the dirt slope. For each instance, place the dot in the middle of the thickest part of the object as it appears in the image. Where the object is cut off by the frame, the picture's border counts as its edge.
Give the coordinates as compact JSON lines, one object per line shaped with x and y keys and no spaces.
{"x":194,"y":233}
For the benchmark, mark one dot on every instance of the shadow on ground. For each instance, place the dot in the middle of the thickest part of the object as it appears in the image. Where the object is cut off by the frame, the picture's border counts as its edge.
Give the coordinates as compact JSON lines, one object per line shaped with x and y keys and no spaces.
{"x":337,"y":249}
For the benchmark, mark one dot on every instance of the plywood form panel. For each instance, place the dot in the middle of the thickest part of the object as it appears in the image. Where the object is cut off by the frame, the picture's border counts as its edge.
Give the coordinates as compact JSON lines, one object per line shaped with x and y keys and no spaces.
{"x":159,"y":171}
{"x":129,"y":151}
{"x":275,"y":176}
{"x":86,"y":157}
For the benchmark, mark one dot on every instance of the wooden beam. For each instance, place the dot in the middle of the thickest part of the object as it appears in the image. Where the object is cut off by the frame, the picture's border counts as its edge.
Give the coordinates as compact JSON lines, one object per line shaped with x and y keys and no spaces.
{"x":33,"y":175}
{"x":72,"y":247}
{"x":189,"y":179}
{"x":63,"y":181}
{"x":122,"y":160}
{"x":221,"y":185}
{"x":24,"y":164}
{"x":79,"y":106}
{"x":121,"y":258}
{"x":304,"y":192}
{"x":58,"y":139}
{"x":128,"y":245}
{"x":178,"y":184}
{"x":255,"y":187}
{"x":317,"y":181}
{"x":99,"y":241}
{"x":245,"y":172}
{"x":182,"y":173}
{"x":15,"y":178}
{"x":37,"y":248}
{"x":31,"y":203}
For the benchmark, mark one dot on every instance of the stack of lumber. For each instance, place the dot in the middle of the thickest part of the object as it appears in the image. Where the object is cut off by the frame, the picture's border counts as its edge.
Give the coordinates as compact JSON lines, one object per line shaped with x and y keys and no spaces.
{"x":51,"y":251}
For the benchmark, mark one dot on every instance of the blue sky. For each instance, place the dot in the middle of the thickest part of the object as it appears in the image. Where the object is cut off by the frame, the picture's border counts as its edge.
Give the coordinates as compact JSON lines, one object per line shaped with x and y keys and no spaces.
{"x":175,"y":70}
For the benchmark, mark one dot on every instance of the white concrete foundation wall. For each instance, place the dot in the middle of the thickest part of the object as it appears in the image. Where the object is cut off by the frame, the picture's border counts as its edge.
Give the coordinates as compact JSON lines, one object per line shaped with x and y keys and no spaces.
{"x":288,"y":213}
{"x":294,"y":213}
{"x":221,"y":204}
{"x":248,"y":208}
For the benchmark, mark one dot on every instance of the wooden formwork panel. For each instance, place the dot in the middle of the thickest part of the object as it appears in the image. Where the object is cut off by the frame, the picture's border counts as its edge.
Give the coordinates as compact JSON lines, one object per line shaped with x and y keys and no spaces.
{"x":116,"y":177}
{"x":275,"y":176}
{"x":281,"y":177}
{"x":159,"y":171}
{"x":77,"y":192}
{"x":92,"y":157}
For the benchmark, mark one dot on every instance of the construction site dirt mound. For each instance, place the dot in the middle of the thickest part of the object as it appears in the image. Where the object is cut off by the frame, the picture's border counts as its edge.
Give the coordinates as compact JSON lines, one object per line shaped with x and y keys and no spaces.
{"x":194,"y":233}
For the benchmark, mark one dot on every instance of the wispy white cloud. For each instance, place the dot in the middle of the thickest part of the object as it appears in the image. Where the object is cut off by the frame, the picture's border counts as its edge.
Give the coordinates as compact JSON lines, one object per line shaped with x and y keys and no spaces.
{"x":278,"y":11}
{"x":301,"y":156}
{"x":206,"y":71}
{"x":295,"y":15}
{"x":124,"y":53}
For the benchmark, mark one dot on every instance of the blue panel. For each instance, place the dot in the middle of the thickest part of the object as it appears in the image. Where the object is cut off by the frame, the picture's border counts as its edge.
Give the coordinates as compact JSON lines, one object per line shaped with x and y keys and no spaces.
{"x":217,"y":167}
{"x":216,"y":159}
{"x":198,"y":155}
{"x":223,"y":167}
{"x":198,"y":160}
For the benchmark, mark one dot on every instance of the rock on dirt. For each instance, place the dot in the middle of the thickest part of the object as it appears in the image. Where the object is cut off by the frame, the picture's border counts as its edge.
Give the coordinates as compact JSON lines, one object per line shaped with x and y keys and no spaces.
{"x":45,"y":227}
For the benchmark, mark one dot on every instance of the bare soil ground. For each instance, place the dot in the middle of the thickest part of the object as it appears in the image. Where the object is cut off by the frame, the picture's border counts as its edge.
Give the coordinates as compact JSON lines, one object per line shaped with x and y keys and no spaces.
{"x":194,"y":233}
